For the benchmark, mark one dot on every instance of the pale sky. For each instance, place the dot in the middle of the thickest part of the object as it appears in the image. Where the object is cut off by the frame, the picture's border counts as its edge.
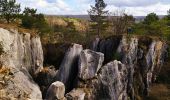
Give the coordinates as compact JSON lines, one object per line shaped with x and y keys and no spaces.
{"x":79,"y":7}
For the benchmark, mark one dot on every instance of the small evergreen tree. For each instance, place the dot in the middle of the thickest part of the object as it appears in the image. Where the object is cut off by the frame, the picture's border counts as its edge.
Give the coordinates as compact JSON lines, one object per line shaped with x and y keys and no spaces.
{"x":9,"y":10}
{"x":32,"y":20}
{"x":168,"y":17}
{"x":0,"y":7}
{"x":168,"y":12}
{"x":150,"y":18}
{"x":28,"y":18}
{"x":98,"y":16}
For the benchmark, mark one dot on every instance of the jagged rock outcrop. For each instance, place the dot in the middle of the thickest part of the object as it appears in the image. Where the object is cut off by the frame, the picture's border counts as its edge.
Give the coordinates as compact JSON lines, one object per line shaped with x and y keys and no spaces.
{"x":89,"y":64}
{"x":68,"y":70}
{"x":37,"y":54}
{"x":110,"y":83}
{"x":18,"y":85}
{"x":154,"y":60}
{"x":56,"y":91}
{"x":21,"y":50}
{"x":113,"y":77}
{"x":22,"y":55}
{"x":76,"y":94}
{"x":130,"y":65}
{"x":128,"y":52}
{"x":142,"y":56}
{"x":119,"y":68}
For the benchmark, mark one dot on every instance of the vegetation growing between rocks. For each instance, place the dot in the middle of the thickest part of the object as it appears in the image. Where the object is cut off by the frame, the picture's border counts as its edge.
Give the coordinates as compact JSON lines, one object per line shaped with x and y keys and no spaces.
{"x":1,"y":49}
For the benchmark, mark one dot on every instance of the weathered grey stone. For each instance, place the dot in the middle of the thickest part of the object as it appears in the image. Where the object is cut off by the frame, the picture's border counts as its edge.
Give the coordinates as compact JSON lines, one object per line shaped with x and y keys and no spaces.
{"x":56,"y":91}
{"x":37,"y":54}
{"x":76,"y":94}
{"x":69,"y":67}
{"x":142,"y":56}
{"x":16,"y":62}
{"x":110,"y":83}
{"x":21,"y":50}
{"x":89,"y":64}
{"x":22,"y":83}
{"x":114,"y":77}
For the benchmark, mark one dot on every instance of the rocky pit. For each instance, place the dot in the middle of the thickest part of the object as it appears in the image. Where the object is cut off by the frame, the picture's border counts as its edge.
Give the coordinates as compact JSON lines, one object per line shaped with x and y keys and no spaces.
{"x":114,"y":68}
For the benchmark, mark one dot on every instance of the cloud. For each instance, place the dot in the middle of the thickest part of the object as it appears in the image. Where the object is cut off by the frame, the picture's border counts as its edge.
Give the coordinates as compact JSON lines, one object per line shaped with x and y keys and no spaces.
{"x":61,"y":7}
{"x":158,"y":8}
{"x":135,"y":3}
{"x":47,"y":6}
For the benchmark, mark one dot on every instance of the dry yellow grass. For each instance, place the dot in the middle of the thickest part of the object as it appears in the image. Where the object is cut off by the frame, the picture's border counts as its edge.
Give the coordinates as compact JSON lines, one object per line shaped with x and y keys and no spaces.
{"x":4,"y":70}
{"x":17,"y":27}
{"x":80,"y":25}
{"x":159,"y":92}
{"x":45,"y":70}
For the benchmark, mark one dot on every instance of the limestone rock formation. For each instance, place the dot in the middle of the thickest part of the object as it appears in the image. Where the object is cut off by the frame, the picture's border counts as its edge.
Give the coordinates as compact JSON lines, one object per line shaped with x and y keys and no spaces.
{"x":110,"y":84}
{"x":18,"y":86}
{"x":56,"y":91}
{"x":68,"y":70}
{"x":113,"y":77}
{"x":37,"y":54}
{"x":21,"y":50}
{"x":142,"y":56}
{"x":20,"y":57}
{"x":119,"y":68}
{"x":89,"y":64}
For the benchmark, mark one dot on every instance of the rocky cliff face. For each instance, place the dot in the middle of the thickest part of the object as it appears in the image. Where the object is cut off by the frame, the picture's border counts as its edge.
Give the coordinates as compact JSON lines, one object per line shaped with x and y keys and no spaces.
{"x":131,"y":64}
{"x":21,"y":57}
{"x":142,"y":57}
{"x":114,"y":68}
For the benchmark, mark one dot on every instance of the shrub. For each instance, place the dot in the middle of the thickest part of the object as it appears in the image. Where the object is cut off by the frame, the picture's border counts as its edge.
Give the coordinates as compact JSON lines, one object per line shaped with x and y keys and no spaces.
{"x":9,"y":10}
{"x":32,"y":20}
{"x":1,"y":49}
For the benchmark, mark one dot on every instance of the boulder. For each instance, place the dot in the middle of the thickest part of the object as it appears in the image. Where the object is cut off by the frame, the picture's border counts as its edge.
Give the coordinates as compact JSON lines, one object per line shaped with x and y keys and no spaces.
{"x":76,"y":94}
{"x":56,"y":91}
{"x":89,"y":64}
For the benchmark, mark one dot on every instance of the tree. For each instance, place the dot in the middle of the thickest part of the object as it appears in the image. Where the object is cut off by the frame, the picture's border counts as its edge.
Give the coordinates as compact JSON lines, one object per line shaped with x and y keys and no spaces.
{"x":150,"y":18}
{"x":168,"y":16}
{"x":29,"y":11}
{"x":121,"y":22}
{"x":32,"y":20}
{"x":28,"y":18}
{"x":0,"y":7}
{"x":9,"y":9}
{"x":98,"y":17}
